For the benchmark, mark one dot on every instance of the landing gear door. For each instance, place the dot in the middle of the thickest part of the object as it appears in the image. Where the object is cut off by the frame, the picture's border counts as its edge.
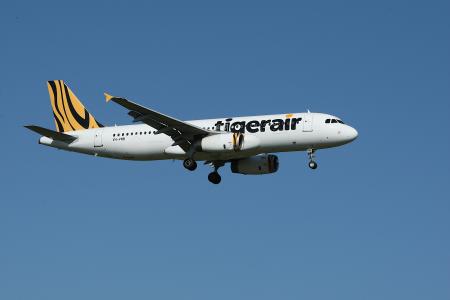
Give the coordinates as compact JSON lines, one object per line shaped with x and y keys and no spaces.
{"x":308,"y":123}
{"x":98,"y":139}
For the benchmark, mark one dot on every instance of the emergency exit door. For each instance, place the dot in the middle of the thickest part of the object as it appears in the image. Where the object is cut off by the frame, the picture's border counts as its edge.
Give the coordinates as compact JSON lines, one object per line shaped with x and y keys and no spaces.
{"x":308,"y":123}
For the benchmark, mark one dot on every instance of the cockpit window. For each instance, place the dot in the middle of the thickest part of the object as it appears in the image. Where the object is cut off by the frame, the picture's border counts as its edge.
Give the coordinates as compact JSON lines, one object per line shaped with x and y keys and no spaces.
{"x":333,"y":121}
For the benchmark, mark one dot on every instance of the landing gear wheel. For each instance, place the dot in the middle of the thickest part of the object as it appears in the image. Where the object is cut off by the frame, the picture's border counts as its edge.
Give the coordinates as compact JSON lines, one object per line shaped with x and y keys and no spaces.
{"x":190,"y":164}
{"x":313,"y":165}
{"x":214,"y":177}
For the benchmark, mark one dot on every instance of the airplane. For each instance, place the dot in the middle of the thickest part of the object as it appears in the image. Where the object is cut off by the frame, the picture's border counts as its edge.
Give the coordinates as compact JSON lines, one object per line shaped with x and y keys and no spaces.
{"x":247,"y":143}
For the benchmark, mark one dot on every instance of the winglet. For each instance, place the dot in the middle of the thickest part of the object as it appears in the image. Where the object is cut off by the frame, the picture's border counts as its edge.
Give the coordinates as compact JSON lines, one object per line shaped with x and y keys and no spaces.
{"x":108,"y":97}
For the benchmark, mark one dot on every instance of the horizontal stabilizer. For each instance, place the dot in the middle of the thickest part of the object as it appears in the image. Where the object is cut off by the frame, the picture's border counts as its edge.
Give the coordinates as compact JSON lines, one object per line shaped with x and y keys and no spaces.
{"x":57,"y":136}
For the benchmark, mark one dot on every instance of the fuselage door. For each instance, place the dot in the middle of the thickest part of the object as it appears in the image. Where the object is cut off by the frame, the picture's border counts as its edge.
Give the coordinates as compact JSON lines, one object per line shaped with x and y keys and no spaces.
{"x":98,"y":139}
{"x":308,"y":122}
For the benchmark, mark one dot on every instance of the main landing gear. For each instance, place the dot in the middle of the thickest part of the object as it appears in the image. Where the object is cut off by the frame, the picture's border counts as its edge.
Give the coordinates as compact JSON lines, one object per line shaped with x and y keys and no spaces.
{"x":190,"y":164}
{"x":214,"y":177}
{"x":312,"y":164}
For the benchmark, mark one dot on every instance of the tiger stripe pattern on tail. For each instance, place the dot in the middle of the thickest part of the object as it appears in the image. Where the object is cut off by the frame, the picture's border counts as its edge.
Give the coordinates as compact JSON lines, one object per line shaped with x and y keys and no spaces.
{"x":68,"y":111}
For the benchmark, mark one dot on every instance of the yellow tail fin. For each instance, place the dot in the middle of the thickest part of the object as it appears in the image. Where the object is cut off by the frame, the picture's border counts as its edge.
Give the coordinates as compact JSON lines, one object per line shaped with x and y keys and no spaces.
{"x":68,"y":111}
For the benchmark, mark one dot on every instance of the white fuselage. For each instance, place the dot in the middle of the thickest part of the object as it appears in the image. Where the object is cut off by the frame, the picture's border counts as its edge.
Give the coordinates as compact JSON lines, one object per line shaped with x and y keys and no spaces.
{"x":275,"y":133}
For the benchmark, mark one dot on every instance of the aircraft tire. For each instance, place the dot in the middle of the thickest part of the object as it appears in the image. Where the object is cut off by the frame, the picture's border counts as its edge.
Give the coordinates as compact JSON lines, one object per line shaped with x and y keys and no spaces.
{"x":214,"y":178}
{"x":313,"y":165}
{"x":190,"y":164}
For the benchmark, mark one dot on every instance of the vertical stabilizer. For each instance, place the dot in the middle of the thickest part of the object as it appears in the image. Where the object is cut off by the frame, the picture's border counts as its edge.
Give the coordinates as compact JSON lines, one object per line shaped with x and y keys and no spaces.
{"x":68,"y":111}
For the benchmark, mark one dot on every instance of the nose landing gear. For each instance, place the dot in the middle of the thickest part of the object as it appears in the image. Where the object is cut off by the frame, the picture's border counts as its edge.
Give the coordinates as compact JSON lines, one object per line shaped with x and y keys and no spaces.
{"x":312,"y":164}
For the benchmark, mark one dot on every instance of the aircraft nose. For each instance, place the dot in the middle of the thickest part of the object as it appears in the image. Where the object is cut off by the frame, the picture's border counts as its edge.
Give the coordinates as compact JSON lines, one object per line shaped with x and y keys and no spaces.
{"x":352,"y":133}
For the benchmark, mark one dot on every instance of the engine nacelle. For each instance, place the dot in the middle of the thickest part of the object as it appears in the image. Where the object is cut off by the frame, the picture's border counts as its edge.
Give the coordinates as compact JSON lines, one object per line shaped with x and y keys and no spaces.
{"x":256,"y":165}
{"x":224,"y":142}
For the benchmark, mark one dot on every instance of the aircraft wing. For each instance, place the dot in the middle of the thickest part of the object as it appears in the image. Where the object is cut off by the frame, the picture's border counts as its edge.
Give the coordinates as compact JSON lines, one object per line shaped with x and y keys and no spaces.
{"x":183,"y":134}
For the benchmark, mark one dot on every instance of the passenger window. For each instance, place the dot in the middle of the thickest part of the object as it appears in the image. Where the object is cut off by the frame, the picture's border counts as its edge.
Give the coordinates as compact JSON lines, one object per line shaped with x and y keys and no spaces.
{"x":127,"y":133}
{"x":333,"y":121}
{"x":123,"y":134}
{"x":327,"y":121}
{"x":114,"y":135}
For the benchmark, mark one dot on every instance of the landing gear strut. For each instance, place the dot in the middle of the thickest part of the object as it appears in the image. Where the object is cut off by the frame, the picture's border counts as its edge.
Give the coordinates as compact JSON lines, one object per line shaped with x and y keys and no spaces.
{"x":214,"y":177}
{"x":190,"y":164}
{"x":312,"y":164}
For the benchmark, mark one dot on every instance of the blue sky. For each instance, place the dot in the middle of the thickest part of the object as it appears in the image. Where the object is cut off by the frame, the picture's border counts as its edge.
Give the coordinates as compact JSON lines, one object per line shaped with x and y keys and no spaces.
{"x":372,"y":222}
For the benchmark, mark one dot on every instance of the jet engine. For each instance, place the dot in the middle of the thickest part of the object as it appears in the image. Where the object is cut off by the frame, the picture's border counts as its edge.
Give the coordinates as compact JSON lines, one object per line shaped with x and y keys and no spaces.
{"x":224,"y":142}
{"x":256,"y":165}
